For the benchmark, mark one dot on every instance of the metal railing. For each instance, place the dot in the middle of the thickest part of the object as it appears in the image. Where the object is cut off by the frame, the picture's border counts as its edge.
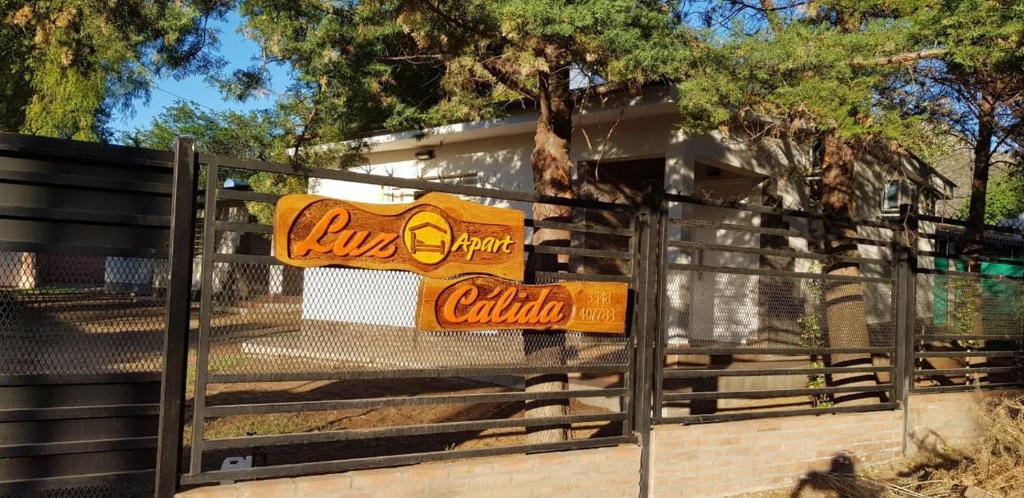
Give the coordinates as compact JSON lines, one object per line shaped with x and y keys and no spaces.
{"x":349,"y":332}
{"x":754,"y":324}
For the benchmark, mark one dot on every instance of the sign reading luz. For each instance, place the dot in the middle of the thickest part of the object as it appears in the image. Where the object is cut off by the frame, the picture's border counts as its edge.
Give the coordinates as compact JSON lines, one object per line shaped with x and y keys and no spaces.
{"x":439,"y":235}
{"x":487,"y":303}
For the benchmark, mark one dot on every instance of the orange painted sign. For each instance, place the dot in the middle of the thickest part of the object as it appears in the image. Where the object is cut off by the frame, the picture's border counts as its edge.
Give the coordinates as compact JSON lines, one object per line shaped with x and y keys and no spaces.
{"x":439,"y":235}
{"x":486,"y":303}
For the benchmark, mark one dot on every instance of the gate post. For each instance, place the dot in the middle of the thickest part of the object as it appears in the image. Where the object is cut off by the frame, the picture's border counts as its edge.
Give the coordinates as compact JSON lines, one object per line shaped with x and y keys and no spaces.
{"x":179,"y":295}
{"x":647,"y":327}
{"x":905,"y":253}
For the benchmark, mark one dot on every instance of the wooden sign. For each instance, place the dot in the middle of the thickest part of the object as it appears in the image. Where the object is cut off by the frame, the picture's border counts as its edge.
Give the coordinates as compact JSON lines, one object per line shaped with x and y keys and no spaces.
{"x":487,"y":303}
{"x":439,"y":235}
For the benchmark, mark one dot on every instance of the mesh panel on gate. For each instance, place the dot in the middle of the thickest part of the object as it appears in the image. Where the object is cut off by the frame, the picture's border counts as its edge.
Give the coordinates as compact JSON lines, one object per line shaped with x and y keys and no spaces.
{"x":364,"y":319}
{"x":70,"y":314}
{"x":710,"y":309}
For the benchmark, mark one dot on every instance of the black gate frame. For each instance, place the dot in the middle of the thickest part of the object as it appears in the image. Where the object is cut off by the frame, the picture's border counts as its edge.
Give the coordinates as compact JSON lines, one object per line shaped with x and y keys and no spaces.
{"x":189,"y":198}
{"x":642,"y":394}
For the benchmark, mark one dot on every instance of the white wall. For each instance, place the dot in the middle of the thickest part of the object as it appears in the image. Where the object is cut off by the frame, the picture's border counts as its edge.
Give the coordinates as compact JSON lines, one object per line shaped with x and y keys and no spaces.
{"x":503,"y":162}
{"x":17,"y":270}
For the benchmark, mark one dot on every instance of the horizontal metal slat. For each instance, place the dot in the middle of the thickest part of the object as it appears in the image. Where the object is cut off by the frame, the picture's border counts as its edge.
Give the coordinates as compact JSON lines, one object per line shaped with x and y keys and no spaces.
{"x":59,"y":379}
{"x":958,"y":337}
{"x":84,"y":182}
{"x":247,"y":195}
{"x":731,"y":417}
{"x":78,"y":412}
{"x":81,"y":216}
{"x":966,"y":371}
{"x":773,"y":252}
{"x":683,"y":374}
{"x":988,"y":386}
{"x":246,"y":259}
{"x":228,"y":226}
{"x":776,"y":273}
{"x":758,"y":208}
{"x":413,"y":373}
{"x":579,"y":251}
{"x":82,"y":250}
{"x":300,"y":406}
{"x":959,"y":354}
{"x":579,"y":227}
{"x":970,"y":275}
{"x":30,"y":486}
{"x":779,"y":351}
{"x":775,"y":393}
{"x":582,"y":277}
{"x":85,"y":151}
{"x":71,"y":447}
{"x":405,"y":430}
{"x":410,"y":183}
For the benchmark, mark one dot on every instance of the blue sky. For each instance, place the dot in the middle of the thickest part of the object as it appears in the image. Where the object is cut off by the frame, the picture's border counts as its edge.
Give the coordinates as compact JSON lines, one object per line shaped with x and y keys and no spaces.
{"x":238,"y":50}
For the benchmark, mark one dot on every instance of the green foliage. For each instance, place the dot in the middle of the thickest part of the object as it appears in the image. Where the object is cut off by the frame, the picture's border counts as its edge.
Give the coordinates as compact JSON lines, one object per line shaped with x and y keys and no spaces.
{"x":67,"y":65}
{"x":252,"y":135}
{"x":812,"y":334}
{"x":1004,"y":199}
{"x":829,"y":68}
{"x":966,"y":305}
{"x":259,"y":135}
{"x":365,"y":65}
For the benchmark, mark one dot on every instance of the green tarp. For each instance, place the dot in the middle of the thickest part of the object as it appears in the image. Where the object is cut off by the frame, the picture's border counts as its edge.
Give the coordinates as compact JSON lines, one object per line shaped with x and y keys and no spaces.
{"x":1000,"y":299}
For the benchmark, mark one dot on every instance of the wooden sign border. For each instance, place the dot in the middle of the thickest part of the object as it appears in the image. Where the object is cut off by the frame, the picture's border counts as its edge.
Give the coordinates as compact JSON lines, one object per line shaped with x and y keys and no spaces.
{"x":606,"y":317}
{"x":290,"y":207}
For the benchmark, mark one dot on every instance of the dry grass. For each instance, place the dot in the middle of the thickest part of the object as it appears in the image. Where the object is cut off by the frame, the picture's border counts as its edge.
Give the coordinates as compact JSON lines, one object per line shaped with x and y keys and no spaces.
{"x":995,"y":464}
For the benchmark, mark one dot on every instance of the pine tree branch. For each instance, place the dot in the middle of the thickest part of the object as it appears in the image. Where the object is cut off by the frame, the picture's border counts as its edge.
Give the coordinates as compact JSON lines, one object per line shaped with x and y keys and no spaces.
{"x":931,"y":53}
{"x":500,"y":71}
{"x":455,"y":22}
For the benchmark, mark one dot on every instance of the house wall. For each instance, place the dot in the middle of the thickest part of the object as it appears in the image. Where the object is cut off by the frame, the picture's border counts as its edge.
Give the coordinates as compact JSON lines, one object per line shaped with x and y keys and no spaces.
{"x":504,"y":163}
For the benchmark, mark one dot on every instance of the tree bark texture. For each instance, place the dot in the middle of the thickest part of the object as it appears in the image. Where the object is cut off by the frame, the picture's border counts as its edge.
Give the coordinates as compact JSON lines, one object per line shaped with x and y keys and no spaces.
{"x":552,"y":169}
{"x":845,"y":314}
{"x":974,"y":234}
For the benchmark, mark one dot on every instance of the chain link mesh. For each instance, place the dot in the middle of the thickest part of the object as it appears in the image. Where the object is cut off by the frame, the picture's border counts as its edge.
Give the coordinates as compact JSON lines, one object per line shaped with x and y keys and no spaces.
{"x":364,"y":320}
{"x":68,"y":314}
{"x":973,"y":307}
{"x":120,"y":490}
{"x":710,"y":309}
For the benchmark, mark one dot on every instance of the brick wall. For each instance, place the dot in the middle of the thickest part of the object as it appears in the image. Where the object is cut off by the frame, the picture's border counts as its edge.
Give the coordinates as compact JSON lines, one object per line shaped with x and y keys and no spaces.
{"x":604,"y":472}
{"x":747,"y":456}
{"x":686,"y":461}
{"x":946,"y":419}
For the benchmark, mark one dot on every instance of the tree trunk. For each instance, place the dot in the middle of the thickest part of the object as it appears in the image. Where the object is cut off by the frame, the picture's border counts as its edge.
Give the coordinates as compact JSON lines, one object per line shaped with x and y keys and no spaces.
{"x":974,"y":235}
{"x":776,"y":296}
{"x":552,"y":165}
{"x":845,"y":317}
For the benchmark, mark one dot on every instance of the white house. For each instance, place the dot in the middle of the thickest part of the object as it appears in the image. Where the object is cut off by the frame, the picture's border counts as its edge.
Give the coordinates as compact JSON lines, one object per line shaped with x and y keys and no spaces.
{"x":631,"y":139}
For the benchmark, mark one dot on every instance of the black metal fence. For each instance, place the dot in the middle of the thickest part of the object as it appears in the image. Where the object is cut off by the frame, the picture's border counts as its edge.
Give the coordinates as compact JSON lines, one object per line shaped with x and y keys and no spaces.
{"x":969,"y":331}
{"x":125,"y":273}
{"x":760,"y":319}
{"x":83,"y":229}
{"x":318,"y":370}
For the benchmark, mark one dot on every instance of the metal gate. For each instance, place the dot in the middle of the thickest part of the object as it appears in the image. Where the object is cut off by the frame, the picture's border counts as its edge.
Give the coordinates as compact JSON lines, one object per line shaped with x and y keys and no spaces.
{"x":302,"y":371}
{"x":752,"y":310}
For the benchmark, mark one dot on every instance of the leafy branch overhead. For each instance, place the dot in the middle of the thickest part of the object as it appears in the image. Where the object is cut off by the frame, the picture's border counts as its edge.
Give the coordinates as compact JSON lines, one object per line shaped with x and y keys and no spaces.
{"x":69,"y":65}
{"x":415,"y":64}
